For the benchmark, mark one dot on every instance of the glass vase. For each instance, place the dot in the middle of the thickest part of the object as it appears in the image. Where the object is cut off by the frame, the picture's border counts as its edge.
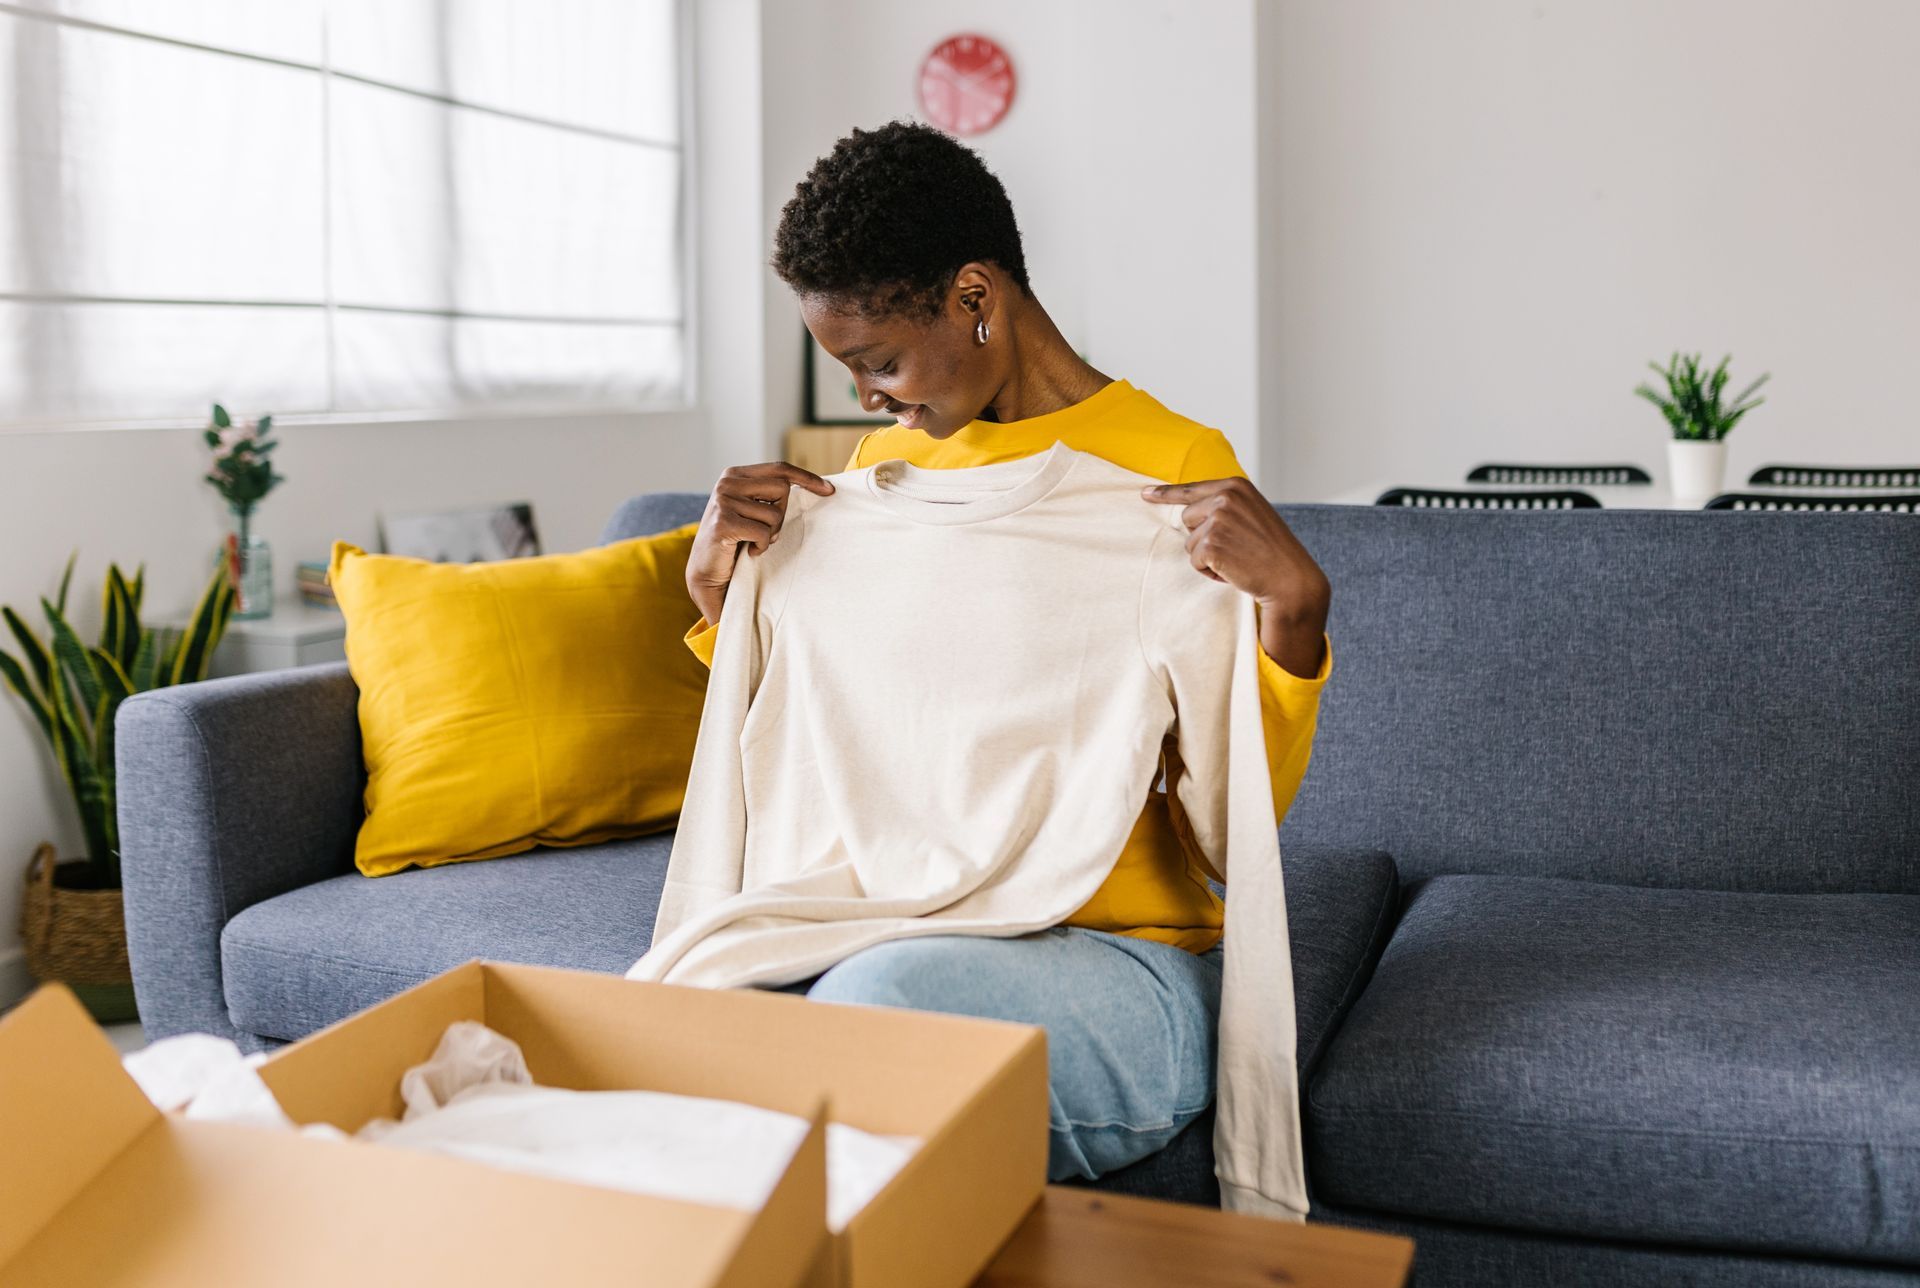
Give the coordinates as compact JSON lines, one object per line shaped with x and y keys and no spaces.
{"x":249,"y":568}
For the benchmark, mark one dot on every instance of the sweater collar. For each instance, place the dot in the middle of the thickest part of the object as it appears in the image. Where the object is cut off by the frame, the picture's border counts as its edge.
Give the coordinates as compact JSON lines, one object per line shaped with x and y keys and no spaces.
{"x":971,"y":494}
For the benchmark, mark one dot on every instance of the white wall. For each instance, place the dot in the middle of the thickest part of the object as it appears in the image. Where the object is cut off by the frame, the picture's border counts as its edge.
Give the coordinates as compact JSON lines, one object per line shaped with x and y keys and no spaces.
{"x":1488,"y":215}
{"x":1128,"y":155}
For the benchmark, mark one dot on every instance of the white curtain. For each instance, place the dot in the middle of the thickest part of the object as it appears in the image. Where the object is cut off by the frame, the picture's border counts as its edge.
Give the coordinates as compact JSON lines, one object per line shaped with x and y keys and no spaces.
{"x":338,"y":206}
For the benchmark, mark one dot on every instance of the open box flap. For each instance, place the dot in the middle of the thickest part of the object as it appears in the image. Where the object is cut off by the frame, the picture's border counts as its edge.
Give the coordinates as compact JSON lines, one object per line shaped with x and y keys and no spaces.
{"x":974,"y":1091}
{"x":983,"y":1082}
{"x":584,"y":1030}
{"x":68,"y":1107}
{"x":792,"y":1230}
{"x":101,"y":1188}
{"x":908,"y":1068}
{"x":198,"y":1203}
{"x":379,"y":1044}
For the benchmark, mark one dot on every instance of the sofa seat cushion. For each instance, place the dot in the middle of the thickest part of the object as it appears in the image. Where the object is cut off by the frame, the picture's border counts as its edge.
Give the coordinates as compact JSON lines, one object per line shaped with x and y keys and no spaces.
{"x":1731,"y":1070}
{"x":302,"y":960}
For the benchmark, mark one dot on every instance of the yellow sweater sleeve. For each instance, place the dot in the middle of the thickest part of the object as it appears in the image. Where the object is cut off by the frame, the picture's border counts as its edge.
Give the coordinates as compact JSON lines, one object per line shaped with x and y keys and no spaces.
{"x":1289,"y":704}
{"x":700,"y":638}
{"x":701,"y":635}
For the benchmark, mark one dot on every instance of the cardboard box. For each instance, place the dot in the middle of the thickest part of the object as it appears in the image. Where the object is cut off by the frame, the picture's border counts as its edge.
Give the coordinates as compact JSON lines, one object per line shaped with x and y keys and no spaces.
{"x":974,"y":1091}
{"x":98,"y":1187}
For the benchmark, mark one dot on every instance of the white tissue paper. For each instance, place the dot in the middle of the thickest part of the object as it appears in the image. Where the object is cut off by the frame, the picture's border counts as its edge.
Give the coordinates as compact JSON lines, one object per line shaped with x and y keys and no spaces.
{"x":199,"y":1075}
{"x":475,"y":1099}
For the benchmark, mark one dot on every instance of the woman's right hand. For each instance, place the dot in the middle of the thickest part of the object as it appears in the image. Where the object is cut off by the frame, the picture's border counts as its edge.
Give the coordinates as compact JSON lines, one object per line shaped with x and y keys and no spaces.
{"x":747,"y":507}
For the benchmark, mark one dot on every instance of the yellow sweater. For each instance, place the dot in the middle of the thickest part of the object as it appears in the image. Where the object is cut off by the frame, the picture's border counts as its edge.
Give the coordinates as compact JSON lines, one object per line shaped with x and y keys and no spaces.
{"x":1158,"y":888}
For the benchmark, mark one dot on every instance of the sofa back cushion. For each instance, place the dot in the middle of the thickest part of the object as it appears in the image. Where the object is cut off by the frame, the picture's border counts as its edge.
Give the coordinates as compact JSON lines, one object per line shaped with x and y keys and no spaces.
{"x":653,"y":512}
{"x":1659,"y":698}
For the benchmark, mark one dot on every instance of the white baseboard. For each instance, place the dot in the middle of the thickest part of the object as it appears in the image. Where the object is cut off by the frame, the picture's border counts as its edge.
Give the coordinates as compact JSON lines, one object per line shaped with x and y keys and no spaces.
{"x":15,"y":980}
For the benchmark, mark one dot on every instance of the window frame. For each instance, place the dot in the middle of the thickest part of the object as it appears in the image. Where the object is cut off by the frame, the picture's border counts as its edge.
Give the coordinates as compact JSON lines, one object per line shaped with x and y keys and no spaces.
{"x":685,"y":400}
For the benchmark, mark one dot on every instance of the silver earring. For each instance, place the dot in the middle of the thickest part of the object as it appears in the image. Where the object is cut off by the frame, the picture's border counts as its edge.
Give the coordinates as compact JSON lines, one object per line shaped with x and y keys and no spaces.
{"x":980,"y":331}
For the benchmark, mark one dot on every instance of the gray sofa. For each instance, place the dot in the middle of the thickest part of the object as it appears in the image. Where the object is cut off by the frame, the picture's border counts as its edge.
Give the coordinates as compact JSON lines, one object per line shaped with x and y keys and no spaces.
{"x":1636,"y":999}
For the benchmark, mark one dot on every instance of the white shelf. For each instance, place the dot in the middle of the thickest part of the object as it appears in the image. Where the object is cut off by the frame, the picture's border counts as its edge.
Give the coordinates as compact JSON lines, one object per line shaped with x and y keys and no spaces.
{"x":296,"y":623}
{"x":296,"y":634}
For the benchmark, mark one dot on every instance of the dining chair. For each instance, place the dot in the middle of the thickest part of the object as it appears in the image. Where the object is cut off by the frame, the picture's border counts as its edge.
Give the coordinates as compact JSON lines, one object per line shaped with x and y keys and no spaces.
{"x":1835,"y":476}
{"x":1440,"y":499}
{"x":1560,"y":475}
{"x":1883,"y":503}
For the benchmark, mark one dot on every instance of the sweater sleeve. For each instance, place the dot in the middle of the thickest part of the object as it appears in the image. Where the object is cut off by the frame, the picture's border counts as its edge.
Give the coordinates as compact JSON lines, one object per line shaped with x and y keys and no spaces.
{"x":709,"y":844}
{"x":1199,"y":636}
{"x":1289,"y":704}
{"x":700,"y":636}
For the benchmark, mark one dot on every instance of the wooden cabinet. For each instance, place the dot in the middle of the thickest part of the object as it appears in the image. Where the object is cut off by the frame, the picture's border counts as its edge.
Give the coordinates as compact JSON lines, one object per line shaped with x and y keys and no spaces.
{"x":824,"y":449}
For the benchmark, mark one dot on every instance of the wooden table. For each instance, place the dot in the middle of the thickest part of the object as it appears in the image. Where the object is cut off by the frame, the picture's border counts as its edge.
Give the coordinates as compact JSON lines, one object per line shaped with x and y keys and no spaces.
{"x":1079,"y":1238}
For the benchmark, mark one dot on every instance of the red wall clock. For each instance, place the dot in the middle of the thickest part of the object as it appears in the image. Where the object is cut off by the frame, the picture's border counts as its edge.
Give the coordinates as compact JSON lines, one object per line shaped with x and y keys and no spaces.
{"x":966,"y":84}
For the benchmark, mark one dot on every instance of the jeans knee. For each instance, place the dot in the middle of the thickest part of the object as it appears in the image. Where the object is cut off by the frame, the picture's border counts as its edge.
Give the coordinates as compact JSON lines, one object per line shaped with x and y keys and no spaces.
{"x":902,"y":973}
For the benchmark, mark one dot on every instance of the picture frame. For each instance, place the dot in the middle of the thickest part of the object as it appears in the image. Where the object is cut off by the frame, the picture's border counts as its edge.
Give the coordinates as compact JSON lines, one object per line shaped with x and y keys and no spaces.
{"x":480,"y":534}
{"x":831,"y":396}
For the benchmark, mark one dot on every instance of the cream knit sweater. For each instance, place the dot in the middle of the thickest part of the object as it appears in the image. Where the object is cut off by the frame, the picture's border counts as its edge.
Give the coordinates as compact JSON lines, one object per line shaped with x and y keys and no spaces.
{"x":937,"y":703}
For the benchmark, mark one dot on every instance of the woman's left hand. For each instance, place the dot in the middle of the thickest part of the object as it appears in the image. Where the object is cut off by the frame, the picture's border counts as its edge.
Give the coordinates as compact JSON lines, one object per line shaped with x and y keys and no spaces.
{"x":1234,"y":535}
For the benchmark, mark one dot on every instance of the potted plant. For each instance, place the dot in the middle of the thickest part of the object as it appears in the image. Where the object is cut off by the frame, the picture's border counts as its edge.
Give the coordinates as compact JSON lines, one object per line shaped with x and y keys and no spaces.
{"x":70,"y":917}
{"x":1697,"y":455}
{"x":243,"y":475}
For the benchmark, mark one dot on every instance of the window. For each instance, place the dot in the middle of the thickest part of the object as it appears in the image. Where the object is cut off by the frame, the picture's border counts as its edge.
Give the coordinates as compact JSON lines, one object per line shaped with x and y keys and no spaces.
{"x":339,"y":206}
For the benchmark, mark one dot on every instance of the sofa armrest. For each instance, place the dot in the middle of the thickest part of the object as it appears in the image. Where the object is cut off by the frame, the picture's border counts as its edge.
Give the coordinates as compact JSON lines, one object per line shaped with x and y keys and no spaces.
{"x":231,"y":791}
{"x":1341,"y":907}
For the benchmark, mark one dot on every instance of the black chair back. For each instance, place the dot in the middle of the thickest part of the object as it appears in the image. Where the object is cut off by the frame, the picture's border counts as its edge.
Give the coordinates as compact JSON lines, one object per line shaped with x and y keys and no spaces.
{"x":1884,"y":503}
{"x":1560,"y":475}
{"x":1439,"y":499}
{"x":1835,"y":476}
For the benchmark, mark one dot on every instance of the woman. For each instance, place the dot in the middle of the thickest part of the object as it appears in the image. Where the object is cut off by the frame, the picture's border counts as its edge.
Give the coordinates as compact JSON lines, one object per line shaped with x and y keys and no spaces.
{"x":905,"y":257}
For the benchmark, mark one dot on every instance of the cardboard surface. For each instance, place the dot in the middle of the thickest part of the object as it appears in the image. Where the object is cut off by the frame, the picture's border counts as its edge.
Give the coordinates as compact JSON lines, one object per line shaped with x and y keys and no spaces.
{"x":67,"y":1110}
{"x":99,"y":1187}
{"x":974,"y":1091}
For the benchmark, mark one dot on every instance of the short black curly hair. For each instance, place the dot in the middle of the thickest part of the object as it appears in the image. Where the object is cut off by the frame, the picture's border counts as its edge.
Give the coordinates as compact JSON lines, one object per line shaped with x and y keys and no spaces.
{"x":886,"y":219}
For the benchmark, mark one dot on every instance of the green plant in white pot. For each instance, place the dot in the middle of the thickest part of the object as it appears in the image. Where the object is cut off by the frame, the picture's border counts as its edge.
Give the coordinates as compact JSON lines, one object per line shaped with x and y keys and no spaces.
{"x":1700,"y":419}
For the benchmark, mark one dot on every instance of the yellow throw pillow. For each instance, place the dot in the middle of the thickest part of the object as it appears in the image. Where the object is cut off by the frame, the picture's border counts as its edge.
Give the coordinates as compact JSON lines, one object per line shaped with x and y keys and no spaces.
{"x":542,"y":701}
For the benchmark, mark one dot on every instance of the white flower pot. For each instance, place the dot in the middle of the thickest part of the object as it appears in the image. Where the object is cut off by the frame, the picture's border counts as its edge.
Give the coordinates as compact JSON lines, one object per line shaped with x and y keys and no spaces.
{"x":1696,"y":467}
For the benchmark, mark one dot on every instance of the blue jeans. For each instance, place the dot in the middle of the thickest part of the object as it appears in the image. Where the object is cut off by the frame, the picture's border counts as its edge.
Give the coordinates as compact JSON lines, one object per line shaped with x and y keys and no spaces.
{"x":1130,"y":1025}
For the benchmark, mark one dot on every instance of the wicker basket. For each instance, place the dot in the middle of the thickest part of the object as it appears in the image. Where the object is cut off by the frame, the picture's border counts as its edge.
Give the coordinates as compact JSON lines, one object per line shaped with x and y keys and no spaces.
{"x":78,"y":937}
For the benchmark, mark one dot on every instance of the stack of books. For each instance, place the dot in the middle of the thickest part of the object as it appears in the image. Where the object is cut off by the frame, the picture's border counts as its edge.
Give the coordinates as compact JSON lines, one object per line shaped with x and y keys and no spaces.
{"x":311,"y":578}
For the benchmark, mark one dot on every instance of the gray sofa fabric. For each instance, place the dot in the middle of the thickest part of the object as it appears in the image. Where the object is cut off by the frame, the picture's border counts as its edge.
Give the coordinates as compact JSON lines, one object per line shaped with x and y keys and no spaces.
{"x":1709,"y":701}
{"x":320,"y":953}
{"x":1728,"y":1070}
{"x":231,"y":791}
{"x":651,"y":512}
{"x":1448,"y":1255}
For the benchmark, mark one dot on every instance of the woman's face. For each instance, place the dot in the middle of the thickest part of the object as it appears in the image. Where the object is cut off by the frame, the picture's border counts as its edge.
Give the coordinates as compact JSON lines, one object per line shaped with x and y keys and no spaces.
{"x":931,"y":374}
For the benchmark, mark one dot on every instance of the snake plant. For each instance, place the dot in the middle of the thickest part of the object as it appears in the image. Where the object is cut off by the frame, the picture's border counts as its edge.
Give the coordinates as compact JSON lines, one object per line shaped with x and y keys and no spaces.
{"x":74,"y":690}
{"x":1692,"y":403}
